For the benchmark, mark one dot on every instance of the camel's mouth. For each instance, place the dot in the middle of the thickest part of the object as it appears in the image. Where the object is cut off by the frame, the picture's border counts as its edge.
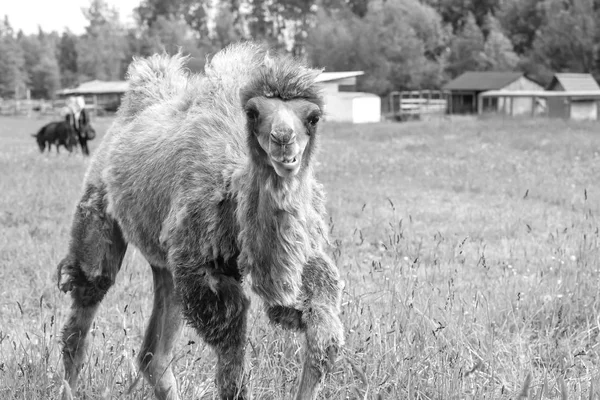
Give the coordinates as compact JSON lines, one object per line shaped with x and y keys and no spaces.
{"x":289,"y":161}
{"x":286,"y":166}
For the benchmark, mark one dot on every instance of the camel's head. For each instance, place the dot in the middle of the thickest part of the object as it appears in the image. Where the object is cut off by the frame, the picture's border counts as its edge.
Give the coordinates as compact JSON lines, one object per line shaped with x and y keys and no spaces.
{"x":283,"y":106}
{"x":283,"y":129}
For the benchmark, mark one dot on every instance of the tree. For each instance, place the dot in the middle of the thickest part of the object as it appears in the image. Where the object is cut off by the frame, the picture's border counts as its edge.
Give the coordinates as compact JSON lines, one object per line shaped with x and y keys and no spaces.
{"x":259,"y":27}
{"x":32,"y":48}
{"x":67,"y":59}
{"x":292,"y":20}
{"x":521,"y":19}
{"x":13,"y":76}
{"x":567,"y":42}
{"x":150,"y":10}
{"x":101,"y":50}
{"x":498,"y":52}
{"x":413,"y":39}
{"x":423,"y":19}
{"x":45,"y":76}
{"x":226,"y":29}
{"x":357,"y":7}
{"x":466,"y":49}
{"x":390,"y":44}
{"x":193,"y":12}
{"x":456,"y":12}
{"x":332,"y":43}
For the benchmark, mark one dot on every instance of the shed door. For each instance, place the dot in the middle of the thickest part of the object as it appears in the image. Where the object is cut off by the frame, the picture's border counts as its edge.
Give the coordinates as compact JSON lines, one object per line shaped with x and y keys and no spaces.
{"x":558,"y":107}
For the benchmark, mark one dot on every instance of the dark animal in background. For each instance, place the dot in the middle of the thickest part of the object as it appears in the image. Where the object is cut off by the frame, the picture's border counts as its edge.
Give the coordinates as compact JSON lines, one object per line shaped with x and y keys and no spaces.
{"x":82,"y":126}
{"x":57,"y":133}
{"x":211,"y":178}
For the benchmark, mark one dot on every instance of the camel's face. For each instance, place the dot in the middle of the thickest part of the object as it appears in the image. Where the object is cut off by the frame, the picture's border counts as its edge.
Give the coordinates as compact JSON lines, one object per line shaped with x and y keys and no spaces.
{"x":283,"y":129}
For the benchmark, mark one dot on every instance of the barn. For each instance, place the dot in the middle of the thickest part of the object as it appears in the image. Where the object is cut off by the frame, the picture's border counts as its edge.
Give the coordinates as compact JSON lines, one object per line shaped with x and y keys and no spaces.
{"x":464,"y":91}
{"x":104,"y":95}
{"x":343,"y":103}
{"x":579,"y":103}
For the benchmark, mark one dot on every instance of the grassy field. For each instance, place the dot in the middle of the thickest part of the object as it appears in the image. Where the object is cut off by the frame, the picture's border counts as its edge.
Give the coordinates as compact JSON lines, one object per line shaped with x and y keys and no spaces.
{"x":469,"y":249}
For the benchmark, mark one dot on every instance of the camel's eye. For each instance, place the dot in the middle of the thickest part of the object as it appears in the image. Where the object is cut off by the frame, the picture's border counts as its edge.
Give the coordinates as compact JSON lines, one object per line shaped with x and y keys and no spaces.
{"x":314,"y":119}
{"x":252,"y":113}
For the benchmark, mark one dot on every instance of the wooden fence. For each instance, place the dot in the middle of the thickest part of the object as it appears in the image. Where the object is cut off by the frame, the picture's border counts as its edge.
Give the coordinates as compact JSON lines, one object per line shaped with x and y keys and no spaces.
{"x":415,"y":104}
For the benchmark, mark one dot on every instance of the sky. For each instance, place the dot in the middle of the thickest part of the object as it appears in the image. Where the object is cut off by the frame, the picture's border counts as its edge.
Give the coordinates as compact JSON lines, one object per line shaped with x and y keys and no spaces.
{"x":56,"y":15}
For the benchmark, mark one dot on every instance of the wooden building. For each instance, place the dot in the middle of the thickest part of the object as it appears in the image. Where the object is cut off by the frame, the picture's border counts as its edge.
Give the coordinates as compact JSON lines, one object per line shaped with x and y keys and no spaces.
{"x":100,"y":95}
{"x":343,"y":103}
{"x":464,"y":91}
{"x":572,"y":106}
{"x":576,"y":105}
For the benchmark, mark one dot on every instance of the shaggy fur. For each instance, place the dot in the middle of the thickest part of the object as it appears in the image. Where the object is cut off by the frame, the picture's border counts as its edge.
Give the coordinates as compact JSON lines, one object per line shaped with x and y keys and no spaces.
{"x":210,"y":177}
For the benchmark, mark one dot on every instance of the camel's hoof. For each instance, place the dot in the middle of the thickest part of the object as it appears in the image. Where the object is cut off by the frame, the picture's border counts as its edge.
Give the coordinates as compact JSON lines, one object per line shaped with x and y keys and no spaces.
{"x":65,"y":277}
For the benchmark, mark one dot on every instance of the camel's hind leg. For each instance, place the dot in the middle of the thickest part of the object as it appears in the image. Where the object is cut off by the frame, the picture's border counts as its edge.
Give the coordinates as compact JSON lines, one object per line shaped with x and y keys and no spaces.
{"x":95,"y":255}
{"x":165,"y":324}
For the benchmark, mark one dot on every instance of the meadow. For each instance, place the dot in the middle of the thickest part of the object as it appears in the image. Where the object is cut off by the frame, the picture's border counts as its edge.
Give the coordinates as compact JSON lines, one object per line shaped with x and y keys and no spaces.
{"x":468,"y":247}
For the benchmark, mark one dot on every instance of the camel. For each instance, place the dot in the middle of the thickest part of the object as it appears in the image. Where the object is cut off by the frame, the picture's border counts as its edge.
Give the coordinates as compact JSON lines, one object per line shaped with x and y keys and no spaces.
{"x":210,"y":176}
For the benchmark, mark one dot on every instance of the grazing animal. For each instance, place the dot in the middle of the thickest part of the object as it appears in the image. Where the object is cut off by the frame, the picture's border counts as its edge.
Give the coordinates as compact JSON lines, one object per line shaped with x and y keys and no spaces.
{"x":58,"y":133}
{"x":211,"y":178}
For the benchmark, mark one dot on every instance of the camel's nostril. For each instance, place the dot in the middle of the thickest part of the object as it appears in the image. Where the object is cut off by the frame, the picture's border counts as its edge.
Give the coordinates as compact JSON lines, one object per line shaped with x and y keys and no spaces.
{"x":284,"y":138}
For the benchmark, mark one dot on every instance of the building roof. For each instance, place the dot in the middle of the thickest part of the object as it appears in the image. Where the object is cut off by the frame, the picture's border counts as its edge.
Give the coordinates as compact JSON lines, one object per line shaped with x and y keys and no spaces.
{"x":482,"y":80}
{"x":335,"y":76}
{"x":354,"y":95}
{"x":572,"y":81}
{"x":574,"y":95}
{"x":97,"y":87}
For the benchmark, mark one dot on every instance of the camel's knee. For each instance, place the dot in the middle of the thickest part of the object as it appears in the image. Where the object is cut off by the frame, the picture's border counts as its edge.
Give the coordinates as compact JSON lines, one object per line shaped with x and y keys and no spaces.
{"x":215,"y":305}
{"x":96,"y":248}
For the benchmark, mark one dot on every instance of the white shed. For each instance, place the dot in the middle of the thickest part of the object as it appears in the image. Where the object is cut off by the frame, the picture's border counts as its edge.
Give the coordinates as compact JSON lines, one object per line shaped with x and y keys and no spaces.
{"x":572,"y":106}
{"x":348,"y":106}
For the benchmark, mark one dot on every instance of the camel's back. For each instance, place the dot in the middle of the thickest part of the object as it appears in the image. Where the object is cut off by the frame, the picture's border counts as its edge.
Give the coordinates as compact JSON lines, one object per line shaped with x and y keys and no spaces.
{"x":182,"y":146}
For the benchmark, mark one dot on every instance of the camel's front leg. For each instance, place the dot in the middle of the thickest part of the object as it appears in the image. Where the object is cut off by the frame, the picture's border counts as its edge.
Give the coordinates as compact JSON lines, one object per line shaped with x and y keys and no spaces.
{"x":216,"y":306}
{"x":318,"y":317}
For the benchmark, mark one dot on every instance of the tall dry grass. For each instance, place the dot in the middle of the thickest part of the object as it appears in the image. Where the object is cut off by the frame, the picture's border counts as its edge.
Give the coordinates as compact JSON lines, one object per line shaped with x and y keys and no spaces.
{"x":469,"y":249}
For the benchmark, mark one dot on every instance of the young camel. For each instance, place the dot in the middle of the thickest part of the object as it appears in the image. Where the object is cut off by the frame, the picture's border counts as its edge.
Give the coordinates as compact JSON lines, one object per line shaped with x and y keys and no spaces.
{"x":211,"y":178}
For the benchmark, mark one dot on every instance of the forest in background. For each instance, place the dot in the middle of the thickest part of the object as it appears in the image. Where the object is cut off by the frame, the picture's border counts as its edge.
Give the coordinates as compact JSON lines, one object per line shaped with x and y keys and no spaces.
{"x":399,"y":44}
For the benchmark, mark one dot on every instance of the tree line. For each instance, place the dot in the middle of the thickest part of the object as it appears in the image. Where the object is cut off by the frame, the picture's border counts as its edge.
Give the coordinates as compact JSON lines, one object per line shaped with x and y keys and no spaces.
{"x":400,"y":44}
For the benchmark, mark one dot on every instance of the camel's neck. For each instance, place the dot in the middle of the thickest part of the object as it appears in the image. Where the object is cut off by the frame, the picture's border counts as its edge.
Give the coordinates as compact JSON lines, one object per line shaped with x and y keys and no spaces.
{"x":278,"y":231}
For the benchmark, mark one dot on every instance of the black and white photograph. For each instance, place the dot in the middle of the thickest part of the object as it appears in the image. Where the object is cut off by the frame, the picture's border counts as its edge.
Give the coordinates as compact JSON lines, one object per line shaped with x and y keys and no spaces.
{"x":300,"y":199}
